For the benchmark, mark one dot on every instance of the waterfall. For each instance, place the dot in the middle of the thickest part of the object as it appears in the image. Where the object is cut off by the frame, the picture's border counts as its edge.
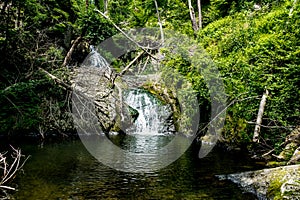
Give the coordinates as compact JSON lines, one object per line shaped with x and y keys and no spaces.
{"x":153,"y":117}
{"x":94,"y":59}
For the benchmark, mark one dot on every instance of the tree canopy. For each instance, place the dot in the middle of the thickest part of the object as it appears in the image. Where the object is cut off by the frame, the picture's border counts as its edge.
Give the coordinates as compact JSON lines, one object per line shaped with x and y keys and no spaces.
{"x":255,"y":45}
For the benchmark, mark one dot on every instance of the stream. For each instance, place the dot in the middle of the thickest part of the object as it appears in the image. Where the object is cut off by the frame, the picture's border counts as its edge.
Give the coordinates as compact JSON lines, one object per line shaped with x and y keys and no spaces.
{"x":66,"y":170}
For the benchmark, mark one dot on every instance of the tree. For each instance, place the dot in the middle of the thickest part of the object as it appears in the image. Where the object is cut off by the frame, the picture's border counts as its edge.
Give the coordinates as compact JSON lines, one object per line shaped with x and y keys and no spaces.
{"x":192,"y":16}
{"x":199,"y":14}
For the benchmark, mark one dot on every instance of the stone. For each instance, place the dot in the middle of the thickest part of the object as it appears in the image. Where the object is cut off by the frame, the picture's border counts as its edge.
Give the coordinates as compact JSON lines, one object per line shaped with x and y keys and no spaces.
{"x":294,"y":136}
{"x":288,"y":151}
{"x":98,"y":101}
{"x":290,"y":189}
{"x":274,"y":183}
{"x":295,"y":158}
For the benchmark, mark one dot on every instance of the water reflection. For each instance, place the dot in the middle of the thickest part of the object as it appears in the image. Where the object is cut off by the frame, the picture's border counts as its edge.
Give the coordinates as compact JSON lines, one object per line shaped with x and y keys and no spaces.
{"x":68,"y":171}
{"x":138,"y":158}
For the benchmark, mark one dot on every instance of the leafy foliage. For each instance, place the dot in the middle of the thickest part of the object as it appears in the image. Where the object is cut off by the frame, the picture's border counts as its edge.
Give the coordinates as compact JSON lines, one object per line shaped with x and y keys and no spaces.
{"x":255,"y":51}
{"x":255,"y":45}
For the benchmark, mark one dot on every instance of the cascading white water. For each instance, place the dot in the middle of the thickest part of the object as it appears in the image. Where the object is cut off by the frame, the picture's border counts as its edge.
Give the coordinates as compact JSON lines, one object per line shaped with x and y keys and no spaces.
{"x":94,"y":59}
{"x":153,"y":117}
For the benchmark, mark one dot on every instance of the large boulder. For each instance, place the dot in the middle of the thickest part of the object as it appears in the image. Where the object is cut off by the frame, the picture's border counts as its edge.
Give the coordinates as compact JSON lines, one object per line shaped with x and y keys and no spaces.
{"x":291,"y":151}
{"x":275,"y":183}
{"x":97,"y":99}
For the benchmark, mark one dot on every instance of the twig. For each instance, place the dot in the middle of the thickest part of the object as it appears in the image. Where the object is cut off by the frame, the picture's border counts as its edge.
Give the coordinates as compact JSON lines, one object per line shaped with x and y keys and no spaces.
{"x":145,"y":49}
{"x":264,"y":126}
{"x":66,"y":86}
{"x":70,"y":52}
{"x":10,"y":170}
{"x":145,"y":65}
{"x":7,"y":187}
{"x":14,"y":105}
{"x":131,"y":63}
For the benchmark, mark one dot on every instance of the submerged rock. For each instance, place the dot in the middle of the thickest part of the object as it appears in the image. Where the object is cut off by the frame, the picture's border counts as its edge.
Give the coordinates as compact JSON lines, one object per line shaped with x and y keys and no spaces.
{"x":274,"y":183}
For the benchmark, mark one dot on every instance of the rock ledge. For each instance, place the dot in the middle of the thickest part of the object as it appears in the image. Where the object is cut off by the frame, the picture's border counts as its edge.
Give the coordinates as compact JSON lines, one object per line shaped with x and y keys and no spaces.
{"x":275,"y":183}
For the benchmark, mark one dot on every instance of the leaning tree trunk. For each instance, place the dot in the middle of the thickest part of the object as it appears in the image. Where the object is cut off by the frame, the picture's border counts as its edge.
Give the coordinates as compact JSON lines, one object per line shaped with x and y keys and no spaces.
{"x":259,"y":116}
{"x":70,"y":52}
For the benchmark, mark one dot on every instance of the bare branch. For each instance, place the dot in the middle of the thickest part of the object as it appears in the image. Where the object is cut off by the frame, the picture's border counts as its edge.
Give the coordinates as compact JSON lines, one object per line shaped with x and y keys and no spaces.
{"x":271,"y":127}
{"x":60,"y":82}
{"x":14,"y":105}
{"x":9,"y":170}
{"x":199,"y":14}
{"x":292,"y":8}
{"x":145,"y":49}
{"x":70,"y":52}
{"x":131,"y":63}
{"x":6,"y":187}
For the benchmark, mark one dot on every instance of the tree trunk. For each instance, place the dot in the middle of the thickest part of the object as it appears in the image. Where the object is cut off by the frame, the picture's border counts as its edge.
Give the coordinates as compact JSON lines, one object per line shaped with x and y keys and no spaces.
{"x":105,"y":4}
{"x":159,"y":21}
{"x":192,"y":16}
{"x":199,"y":14}
{"x":259,"y":116}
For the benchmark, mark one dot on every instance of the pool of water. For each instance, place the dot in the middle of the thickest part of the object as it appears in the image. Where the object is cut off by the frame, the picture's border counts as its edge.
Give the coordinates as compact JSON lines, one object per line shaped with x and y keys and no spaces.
{"x":66,"y":170}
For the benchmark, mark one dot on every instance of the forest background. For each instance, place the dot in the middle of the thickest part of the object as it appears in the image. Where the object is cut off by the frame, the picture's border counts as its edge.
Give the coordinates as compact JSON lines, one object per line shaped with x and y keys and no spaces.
{"x":255,"y":45}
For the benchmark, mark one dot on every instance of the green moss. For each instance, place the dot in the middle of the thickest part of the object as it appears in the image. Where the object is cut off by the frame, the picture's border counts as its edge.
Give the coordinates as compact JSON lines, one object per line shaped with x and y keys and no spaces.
{"x":274,"y":187}
{"x":275,"y":164}
{"x":274,"y":190}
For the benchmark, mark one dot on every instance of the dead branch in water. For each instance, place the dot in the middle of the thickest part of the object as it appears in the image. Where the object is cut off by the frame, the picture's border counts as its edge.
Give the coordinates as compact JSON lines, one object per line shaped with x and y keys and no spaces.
{"x":8,"y":169}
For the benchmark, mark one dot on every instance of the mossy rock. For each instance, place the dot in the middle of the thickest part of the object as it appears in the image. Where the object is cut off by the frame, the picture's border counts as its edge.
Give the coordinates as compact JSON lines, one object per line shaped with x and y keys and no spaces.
{"x":273,"y":191}
{"x":275,"y":164}
{"x":288,"y":151}
{"x":275,"y":183}
{"x":295,"y":159}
